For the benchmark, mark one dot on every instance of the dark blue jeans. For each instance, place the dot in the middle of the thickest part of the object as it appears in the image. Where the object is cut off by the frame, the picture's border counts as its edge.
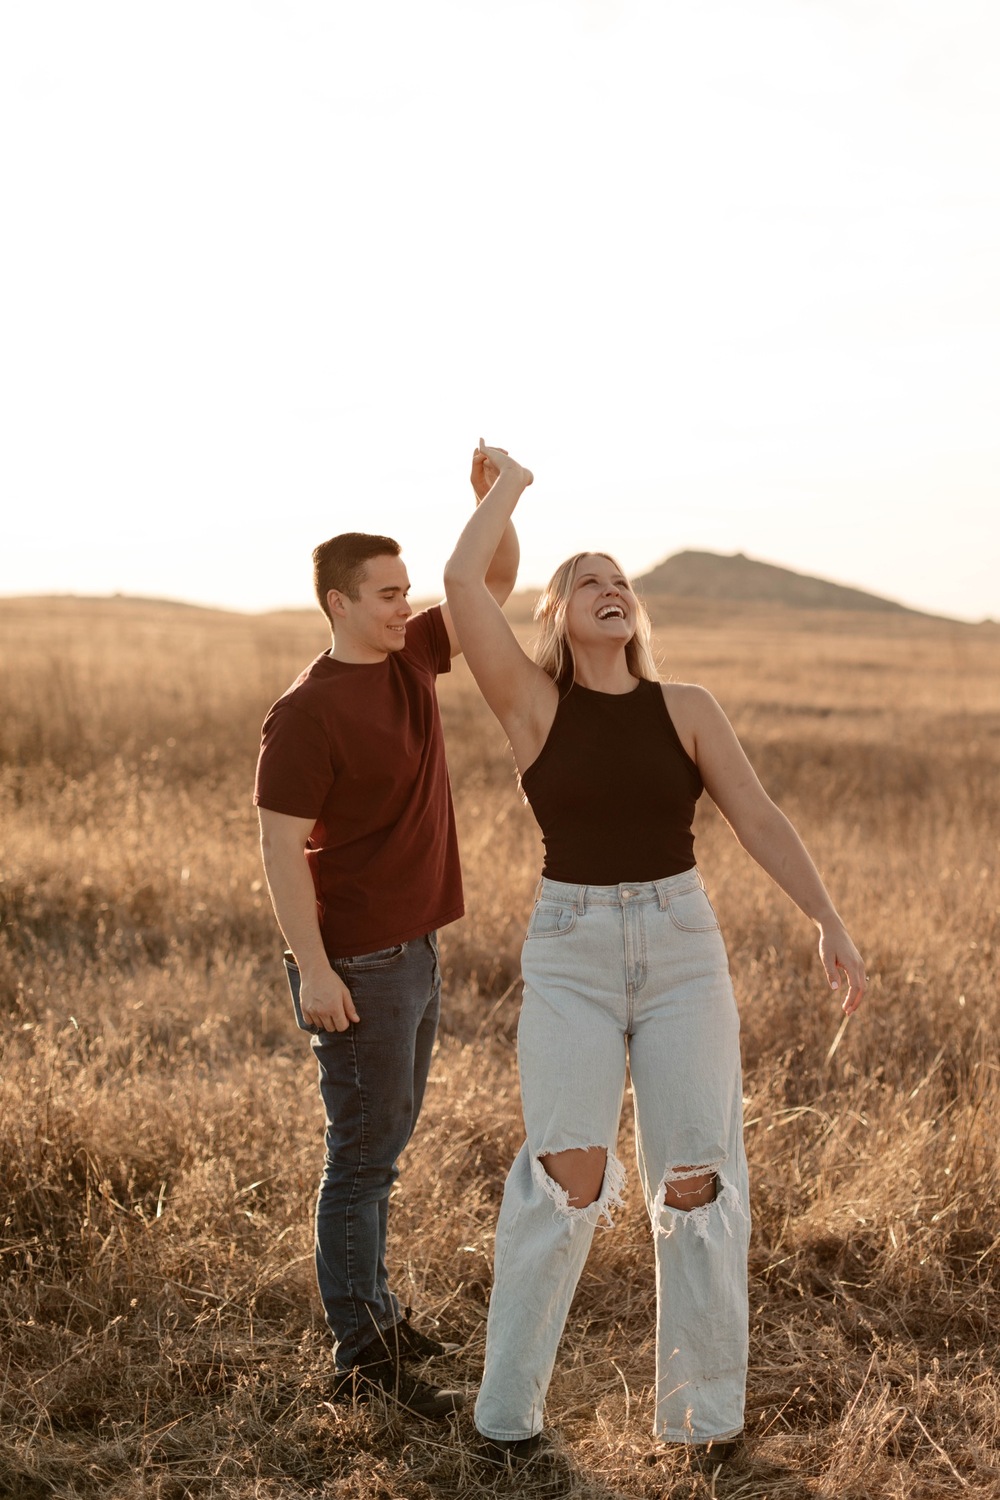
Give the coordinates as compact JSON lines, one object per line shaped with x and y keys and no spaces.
{"x":372,"y":1078}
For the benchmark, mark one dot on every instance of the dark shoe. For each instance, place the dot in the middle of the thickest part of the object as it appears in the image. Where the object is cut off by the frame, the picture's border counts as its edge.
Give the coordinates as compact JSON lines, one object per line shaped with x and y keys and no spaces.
{"x":711,"y":1455}
{"x":510,"y":1452}
{"x":410,"y":1343}
{"x":384,"y":1375}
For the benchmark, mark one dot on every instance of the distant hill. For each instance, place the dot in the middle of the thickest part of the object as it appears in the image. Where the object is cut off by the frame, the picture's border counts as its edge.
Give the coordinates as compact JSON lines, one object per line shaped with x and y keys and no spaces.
{"x":734,"y":579}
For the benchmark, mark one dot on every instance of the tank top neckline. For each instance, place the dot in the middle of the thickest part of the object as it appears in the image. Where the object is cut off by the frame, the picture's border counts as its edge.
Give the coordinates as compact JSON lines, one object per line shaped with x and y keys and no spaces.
{"x":593,"y":693}
{"x":599,"y":693}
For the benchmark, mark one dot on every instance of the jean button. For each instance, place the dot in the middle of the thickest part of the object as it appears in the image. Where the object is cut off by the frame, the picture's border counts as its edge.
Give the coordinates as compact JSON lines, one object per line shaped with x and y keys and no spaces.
{"x":626,"y":895}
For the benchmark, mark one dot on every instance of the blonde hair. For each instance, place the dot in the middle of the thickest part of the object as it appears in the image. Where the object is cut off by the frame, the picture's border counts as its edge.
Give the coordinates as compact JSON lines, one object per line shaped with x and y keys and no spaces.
{"x":553,"y":651}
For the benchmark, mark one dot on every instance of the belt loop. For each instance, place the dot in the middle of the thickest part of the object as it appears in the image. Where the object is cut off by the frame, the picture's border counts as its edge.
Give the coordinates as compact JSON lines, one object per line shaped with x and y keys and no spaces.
{"x":580,"y":901}
{"x":661,"y":892}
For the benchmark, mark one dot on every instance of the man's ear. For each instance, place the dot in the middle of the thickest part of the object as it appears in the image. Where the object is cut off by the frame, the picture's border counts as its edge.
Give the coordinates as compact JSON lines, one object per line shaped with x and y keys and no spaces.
{"x":335,"y":604}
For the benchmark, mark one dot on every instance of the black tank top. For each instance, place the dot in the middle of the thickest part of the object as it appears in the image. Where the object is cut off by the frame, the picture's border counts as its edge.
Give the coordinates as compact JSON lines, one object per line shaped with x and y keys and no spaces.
{"x":613,"y":789}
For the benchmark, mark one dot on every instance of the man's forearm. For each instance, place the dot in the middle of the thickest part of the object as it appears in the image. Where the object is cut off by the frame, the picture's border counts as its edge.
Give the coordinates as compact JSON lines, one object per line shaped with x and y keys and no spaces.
{"x":501,"y":575}
{"x":488,"y":535}
{"x":293,"y":897}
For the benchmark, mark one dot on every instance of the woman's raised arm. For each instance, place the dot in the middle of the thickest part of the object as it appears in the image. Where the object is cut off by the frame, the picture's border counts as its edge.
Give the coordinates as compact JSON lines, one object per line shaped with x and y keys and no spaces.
{"x":517,"y":690}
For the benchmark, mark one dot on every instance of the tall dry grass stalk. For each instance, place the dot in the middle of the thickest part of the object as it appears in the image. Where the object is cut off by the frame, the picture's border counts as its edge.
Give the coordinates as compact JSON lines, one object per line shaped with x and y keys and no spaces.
{"x":160,"y":1137}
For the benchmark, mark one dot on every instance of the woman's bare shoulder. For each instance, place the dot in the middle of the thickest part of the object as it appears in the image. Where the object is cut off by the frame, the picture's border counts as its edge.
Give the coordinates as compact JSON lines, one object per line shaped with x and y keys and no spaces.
{"x":691,"y":708}
{"x":686,"y":697}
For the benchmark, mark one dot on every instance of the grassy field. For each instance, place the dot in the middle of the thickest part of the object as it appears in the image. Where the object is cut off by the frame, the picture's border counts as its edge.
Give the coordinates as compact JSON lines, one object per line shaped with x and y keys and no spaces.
{"x":160,"y":1133}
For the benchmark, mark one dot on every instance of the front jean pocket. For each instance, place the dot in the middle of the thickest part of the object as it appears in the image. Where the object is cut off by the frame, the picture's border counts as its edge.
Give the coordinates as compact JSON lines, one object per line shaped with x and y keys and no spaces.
{"x":691,"y":911}
{"x":381,"y":958}
{"x":550,"y":920}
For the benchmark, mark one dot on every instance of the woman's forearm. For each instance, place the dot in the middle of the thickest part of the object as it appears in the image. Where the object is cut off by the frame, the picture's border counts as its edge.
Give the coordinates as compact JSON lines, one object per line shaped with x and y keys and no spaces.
{"x":777,"y":848}
{"x":483,"y":550}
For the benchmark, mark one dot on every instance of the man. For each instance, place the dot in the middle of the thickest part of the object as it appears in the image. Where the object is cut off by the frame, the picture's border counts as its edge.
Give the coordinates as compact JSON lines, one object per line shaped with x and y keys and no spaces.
{"x":361,"y":857}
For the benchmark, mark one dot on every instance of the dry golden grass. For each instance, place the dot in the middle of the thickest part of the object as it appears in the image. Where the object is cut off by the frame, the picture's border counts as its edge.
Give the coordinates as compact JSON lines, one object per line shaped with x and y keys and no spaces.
{"x":160,"y":1136}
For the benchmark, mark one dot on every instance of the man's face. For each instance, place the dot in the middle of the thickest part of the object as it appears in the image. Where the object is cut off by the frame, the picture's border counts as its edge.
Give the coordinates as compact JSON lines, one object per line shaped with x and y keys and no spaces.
{"x":368,"y":628}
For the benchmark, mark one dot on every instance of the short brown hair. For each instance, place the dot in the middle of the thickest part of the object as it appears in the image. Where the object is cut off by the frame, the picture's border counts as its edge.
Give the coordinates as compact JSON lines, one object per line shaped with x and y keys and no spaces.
{"x":340,"y":563}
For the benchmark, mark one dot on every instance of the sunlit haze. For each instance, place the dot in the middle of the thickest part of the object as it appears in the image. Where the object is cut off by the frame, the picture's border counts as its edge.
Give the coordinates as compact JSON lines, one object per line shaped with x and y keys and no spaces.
{"x":723,"y":274}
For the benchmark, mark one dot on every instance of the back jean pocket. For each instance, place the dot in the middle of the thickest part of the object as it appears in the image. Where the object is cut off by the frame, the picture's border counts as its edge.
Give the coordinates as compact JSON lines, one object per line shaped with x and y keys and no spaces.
{"x":551,"y":919}
{"x":692,"y":911}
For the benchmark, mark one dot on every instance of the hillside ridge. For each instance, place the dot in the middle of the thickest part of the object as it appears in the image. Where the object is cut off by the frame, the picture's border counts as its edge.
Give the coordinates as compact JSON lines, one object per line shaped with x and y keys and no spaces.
{"x":737,"y":578}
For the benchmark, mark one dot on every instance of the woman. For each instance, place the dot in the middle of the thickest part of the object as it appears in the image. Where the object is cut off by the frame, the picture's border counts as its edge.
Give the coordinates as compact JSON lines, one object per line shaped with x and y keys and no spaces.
{"x":623,"y":963}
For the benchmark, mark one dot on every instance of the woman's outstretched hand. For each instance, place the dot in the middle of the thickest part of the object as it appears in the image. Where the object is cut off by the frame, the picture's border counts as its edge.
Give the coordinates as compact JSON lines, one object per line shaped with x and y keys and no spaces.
{"x":487,"y":466}
{"x":840,"y":957}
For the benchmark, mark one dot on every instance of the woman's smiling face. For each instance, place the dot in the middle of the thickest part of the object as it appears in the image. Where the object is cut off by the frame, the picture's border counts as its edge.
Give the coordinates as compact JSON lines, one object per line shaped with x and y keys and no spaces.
{"x":601,"y":604}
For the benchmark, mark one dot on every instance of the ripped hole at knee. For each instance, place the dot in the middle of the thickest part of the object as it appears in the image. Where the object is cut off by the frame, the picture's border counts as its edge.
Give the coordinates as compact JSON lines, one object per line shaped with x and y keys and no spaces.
{"x":579,"y":1172}
{"x":690,"y":1187}
{"x":586,"y":1185}
{"x":696,"y":1198}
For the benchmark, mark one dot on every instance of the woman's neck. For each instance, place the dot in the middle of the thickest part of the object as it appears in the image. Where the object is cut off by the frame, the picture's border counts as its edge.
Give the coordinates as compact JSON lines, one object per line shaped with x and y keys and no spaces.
{"x":603,"y":672}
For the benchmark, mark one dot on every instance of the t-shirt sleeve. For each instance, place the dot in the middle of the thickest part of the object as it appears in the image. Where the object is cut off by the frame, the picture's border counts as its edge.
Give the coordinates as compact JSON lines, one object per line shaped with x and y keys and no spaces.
{"x":294,"y":769}
{"x":427,"y":640}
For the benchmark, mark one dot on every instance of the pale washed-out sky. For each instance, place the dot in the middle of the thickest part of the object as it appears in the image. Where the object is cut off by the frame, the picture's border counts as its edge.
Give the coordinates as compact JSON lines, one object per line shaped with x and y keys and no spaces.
{"x":723,"y":273}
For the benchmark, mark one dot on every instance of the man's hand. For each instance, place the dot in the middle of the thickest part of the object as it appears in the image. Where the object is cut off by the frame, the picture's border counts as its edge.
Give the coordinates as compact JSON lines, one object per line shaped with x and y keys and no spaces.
{"x":487,"y":465}
{"x":325,"y":1001}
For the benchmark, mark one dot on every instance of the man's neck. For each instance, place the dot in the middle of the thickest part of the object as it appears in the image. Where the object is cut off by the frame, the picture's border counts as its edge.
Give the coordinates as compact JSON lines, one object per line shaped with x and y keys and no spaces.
{"x":355,"y":653}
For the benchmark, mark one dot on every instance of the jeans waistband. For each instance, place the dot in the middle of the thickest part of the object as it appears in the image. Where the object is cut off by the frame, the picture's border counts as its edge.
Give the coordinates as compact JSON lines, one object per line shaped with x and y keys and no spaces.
{"x":628,"y":893}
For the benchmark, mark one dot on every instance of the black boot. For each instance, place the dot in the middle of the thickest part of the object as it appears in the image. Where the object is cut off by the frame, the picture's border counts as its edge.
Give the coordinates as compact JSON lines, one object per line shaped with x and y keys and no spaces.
{"x":378,"y":1370}
{"x":409,"y":1343}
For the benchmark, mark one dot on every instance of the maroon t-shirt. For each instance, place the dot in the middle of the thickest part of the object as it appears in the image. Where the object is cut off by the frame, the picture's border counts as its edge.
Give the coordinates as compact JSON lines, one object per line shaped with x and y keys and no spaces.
{"x":359,"y":748}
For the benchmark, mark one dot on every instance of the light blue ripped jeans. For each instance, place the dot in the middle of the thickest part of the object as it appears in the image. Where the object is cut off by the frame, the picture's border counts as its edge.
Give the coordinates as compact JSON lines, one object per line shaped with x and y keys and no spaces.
{"x":636,"y":975}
